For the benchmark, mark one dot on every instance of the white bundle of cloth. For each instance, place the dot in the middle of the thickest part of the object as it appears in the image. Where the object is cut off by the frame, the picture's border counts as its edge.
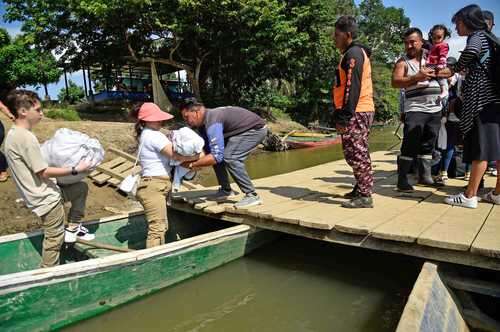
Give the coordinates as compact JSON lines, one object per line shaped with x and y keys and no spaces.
{"x":186,"y":142}
{"x":67,"y":148}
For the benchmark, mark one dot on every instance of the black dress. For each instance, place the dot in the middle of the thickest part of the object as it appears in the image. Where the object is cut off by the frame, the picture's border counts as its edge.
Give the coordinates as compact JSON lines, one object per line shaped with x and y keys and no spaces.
{"x":480,"y":118}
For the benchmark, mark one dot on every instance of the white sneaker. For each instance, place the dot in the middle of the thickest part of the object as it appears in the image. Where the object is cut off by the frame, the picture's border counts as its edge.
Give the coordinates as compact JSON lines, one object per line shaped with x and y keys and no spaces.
{"x":80,"y":232}
{"x":490,"y":197}
{"x":461,"y":200}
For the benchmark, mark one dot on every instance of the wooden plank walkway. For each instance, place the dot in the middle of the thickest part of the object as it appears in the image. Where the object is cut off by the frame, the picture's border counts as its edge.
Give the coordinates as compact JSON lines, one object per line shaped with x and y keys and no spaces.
{"x":307,"y":203}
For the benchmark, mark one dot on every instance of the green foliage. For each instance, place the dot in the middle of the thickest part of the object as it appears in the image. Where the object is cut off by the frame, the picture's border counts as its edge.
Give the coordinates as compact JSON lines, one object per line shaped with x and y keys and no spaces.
{"x":4,"y":37}
{"x":232,"y":50}
{"x":74,"y":95}
{"x":23,"y":64}
{"x":386,"y":98}
{"x":382,"y":29}
{"x":267,"y":95}
{"x":62,"y":113}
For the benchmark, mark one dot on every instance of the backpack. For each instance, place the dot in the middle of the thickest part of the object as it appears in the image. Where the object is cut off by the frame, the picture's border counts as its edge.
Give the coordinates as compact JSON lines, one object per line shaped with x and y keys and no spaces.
{"x":493,"y":73}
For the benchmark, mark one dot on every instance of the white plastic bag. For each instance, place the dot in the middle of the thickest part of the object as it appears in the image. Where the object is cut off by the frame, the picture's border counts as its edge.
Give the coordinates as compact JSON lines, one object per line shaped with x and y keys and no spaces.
{"x":67,"y":148}
{"x":185,"y":142}
{"x":129,"y":184}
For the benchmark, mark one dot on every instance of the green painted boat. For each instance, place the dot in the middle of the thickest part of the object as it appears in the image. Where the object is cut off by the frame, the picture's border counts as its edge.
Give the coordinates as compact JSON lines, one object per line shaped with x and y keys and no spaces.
{"x":91,"y":281}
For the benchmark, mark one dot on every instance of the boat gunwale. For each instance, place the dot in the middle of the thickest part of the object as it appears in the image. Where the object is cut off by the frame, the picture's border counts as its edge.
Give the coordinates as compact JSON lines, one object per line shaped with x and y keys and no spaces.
{"x":27,"y":235}
{"x":26,"y":279}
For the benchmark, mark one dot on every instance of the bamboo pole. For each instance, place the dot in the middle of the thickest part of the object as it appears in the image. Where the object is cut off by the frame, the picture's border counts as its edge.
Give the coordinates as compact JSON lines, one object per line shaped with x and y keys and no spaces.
{"x":103,"y":246}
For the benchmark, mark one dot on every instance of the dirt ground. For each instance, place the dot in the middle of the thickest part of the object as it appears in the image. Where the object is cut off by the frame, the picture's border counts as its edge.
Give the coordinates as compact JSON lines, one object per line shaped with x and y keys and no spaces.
{"x":15,"y":217}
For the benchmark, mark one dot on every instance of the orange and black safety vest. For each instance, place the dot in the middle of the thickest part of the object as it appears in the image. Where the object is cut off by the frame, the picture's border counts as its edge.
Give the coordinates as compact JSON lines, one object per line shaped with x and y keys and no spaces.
{"x":353,"y":88}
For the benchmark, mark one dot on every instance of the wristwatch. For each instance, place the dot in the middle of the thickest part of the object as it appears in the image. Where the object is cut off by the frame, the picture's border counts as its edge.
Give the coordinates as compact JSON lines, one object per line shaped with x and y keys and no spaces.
{"x":74,"y":171}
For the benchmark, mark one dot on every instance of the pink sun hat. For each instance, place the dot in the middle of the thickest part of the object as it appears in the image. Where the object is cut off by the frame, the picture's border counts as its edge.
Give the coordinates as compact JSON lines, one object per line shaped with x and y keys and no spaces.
{"x":150,"y":112}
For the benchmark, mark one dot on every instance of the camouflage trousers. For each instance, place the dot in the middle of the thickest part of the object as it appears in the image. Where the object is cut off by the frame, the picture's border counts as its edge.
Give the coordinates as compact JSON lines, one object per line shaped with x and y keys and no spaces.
{"x":356,"y":153}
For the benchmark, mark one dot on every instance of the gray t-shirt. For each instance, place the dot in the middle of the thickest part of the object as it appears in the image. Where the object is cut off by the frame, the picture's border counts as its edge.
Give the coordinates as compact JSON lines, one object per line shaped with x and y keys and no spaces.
{"x":25,"y":160}
{"x":421,"y":97}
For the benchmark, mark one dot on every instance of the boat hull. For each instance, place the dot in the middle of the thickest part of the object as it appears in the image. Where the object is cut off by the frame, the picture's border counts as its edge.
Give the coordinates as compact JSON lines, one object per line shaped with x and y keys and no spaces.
{"x":431,"y":307}
{"x":50,"y":298}
{"x":296,"y":144}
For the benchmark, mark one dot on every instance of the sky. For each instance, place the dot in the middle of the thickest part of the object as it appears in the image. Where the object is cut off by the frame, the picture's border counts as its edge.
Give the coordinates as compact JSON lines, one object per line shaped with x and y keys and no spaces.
{"x":422,"y":13}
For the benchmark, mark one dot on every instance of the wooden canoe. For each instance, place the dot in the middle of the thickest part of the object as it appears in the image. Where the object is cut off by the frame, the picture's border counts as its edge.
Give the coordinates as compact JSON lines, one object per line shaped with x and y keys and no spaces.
{"x":309,"y":134}
{"x":92,"y":281}
{"x":301,"y":142}
{"x":442,"y":300}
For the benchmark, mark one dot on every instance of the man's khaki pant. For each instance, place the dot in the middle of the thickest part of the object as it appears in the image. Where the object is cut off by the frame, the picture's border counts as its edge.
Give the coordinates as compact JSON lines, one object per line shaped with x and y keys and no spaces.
{"x":53,"y":222}
{"x":151,"y":194}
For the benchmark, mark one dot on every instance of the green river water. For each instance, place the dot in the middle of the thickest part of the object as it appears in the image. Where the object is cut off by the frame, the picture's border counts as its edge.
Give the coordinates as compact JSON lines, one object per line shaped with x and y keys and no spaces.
{"x":292,"y":284}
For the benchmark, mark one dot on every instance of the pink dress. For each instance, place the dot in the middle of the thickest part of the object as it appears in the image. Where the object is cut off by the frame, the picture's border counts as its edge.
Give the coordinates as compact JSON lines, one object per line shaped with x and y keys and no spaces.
{"x":438,"y":54}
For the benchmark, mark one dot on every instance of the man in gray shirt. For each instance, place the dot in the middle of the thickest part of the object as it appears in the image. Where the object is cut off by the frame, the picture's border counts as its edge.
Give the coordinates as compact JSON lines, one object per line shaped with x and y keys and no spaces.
{"x":422,"y":110}
{"x":230,"y":134}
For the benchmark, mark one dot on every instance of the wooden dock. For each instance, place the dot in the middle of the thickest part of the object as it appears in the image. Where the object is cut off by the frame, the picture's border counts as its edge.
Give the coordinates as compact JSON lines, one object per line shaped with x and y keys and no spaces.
{"x":307,"y":203}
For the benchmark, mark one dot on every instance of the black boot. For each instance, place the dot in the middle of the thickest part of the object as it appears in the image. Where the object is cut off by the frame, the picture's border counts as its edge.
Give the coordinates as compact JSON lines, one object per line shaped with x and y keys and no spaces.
{"x":354,"y":193}
{"x":424,"y":172}
{"x":403,"y":169}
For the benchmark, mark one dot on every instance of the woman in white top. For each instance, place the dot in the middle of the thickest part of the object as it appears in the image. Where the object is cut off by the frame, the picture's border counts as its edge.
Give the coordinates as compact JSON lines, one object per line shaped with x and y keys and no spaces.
{"x":155,"y":152}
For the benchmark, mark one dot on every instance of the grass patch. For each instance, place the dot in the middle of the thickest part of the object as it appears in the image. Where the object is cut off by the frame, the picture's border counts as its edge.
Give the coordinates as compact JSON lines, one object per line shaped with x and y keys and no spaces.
{"x":66,"y":114}
{"x":280,"y":114}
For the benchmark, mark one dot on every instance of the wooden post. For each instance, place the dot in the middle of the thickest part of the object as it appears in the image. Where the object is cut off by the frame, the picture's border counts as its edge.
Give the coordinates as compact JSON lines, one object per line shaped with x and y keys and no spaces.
{"x":105,"y":74}
{"x":66,"y":84}
{"x":179,"y":81}
{"x":130,"y":77}
{"x":84,"y":82}
{"x":47,"y":97}
{"x":91,"y":93}
{"x":99,"y":245}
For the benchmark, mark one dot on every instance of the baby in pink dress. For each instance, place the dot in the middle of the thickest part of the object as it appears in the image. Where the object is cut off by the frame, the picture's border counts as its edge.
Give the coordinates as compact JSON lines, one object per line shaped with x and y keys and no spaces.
{"x":438,"y":54}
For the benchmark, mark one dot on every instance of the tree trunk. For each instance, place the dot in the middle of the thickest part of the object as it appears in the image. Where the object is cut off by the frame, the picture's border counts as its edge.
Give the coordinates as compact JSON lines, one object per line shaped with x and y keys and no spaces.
{"x":195,"y":84}
{"x":47,"y":97}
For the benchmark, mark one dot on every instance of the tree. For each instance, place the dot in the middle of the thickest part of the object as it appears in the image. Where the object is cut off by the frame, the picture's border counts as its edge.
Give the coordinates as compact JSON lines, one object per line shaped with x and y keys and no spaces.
{"x":386,"y":98}
{"x":74,"y":94}
{"x":251,"y":40}
{"x":382,"y":29}
{"x":22,"y":64}
{"x":91,"y":32}
{"x":230,"y":49}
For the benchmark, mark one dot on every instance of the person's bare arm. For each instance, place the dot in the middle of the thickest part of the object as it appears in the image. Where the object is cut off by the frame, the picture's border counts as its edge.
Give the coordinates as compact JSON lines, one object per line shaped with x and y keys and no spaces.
{"x":168,"y":151}
{"x":55,"y":172}
{"x":401,"y":81}
{"x":206,"y":160}
{"x":444,"y":73}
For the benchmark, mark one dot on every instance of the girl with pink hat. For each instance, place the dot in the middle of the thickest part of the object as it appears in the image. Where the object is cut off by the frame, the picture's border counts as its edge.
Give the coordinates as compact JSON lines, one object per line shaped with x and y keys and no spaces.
{"x":154,"y":155}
